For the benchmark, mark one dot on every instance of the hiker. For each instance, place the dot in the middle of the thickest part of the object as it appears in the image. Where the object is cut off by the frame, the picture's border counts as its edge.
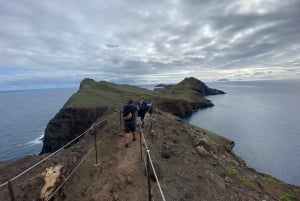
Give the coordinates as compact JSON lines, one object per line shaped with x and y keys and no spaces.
{"x":129,"y":111}
{"x":143,"y":107}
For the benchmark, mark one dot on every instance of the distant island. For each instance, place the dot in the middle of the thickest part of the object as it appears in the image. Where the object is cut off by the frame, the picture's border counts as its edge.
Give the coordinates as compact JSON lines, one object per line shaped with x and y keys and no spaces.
{"x":223,"y":80}
{"x":163,"y":85}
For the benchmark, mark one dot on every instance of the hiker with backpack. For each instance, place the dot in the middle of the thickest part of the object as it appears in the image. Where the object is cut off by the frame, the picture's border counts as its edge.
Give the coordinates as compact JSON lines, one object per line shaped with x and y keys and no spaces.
{"x":143,"y":107}
{"x":129,"y":111}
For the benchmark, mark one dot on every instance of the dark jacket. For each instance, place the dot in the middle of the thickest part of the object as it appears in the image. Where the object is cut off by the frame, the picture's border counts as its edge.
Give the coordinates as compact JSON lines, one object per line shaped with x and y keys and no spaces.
{"x":129,"y":108}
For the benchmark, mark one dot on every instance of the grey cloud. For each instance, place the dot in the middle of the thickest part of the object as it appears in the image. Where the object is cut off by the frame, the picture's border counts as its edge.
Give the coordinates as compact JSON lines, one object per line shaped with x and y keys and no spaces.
{"x":258,"y":73}
{"x":136,"y":40}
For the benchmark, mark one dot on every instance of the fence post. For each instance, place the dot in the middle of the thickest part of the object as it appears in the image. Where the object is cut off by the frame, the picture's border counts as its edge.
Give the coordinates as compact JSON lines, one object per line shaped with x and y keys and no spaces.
{"x":96,"y":149}
{"x":149,"y":181}
{"x":173,"y":123}
{"x":11,"y":191}
{"x":141,"y":149}
{"x":151,"y":122}
{"x":121,"y":122}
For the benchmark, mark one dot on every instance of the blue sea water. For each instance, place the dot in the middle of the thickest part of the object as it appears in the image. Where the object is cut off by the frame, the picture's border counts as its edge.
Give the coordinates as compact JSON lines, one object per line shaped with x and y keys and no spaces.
{"x":24,"y":116}
{"x":263,"y":118}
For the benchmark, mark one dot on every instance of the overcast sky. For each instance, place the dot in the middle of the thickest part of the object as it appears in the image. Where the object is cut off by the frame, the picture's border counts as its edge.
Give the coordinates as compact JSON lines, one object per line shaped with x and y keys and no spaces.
{"x":60,"y":42}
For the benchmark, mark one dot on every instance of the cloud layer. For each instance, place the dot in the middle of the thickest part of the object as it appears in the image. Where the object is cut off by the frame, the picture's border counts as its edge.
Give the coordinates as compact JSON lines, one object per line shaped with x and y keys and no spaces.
{"x":61,"y":42}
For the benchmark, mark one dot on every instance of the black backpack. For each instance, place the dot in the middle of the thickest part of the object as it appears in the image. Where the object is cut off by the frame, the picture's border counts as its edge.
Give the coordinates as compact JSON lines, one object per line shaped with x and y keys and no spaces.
{"x":127,"y":115}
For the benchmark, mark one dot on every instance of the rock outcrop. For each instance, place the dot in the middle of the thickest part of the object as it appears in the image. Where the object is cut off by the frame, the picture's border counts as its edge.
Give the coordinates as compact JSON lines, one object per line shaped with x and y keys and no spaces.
{"x":67,"y":125}
{"x":182,"y":107}
{"x":199,"y":86}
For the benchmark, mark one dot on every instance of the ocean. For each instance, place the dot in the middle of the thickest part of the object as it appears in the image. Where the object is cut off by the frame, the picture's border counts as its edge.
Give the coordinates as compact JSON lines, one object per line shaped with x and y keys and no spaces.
{"x":263,"y":118}
{"x":24,"y":116}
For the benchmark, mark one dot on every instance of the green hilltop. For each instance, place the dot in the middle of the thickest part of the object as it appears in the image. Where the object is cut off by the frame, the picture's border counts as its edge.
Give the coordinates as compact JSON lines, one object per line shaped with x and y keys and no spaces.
{"x":93,"y":94}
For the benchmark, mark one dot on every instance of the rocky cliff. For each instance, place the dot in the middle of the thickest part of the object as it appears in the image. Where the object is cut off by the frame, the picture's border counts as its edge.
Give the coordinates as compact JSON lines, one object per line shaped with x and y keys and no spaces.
{"x":182,"y":108}
{"x":94,"y":98}
{"x":67,"y":124}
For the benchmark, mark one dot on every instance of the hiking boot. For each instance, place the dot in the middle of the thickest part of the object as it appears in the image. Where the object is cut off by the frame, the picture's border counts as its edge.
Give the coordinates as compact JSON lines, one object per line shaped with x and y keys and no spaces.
{"x":126,"y":145}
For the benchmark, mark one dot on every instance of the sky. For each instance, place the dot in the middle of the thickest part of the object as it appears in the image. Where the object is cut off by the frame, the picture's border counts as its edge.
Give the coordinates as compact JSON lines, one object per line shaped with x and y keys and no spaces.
{"x":58,"y":43}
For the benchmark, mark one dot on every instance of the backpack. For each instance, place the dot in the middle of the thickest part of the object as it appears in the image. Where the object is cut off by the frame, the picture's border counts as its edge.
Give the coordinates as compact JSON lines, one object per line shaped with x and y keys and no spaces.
{"x":127,"y":115}
{"x":144,"y":106}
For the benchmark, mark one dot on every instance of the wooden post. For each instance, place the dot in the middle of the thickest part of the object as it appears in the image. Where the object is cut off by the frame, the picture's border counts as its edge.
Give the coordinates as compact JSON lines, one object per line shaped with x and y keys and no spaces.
{"x":121,"y":122}
{"x":96,"y":149}
{"x":151,"y":123}
{"x":149,"y":181}
{"x":11,"y":191}
{"x":173,"y":123}
{"x":141,"y":149}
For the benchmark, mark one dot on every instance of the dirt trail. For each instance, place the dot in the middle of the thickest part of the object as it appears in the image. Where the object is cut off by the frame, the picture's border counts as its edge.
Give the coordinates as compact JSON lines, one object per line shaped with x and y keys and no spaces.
{"x":118,"y":177}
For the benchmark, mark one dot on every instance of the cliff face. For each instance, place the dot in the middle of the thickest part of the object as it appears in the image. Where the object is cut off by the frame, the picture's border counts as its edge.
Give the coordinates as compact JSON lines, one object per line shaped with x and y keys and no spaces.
{"x":67,"y":125}
{"x":181,"y":108}
{"x":94,"y":98}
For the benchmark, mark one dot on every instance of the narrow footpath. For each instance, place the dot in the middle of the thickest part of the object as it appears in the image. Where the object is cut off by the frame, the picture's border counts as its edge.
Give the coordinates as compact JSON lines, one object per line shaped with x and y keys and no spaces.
{"x":118,"y":176}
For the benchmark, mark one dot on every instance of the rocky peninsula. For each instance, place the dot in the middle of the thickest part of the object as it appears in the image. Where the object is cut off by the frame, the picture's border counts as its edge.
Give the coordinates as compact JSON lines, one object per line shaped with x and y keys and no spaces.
{"x":193,"y":163}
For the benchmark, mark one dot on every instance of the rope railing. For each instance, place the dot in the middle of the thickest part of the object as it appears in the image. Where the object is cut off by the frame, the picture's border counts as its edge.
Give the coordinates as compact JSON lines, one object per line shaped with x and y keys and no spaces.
{"x":147,"y":156}
{"x":69,"y":176}
{"x":149,"y":164}
{"x":9,"y":182}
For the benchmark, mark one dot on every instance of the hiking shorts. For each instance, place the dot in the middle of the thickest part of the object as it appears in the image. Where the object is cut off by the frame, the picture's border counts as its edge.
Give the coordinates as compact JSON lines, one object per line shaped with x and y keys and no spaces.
{"x":129,"y":127}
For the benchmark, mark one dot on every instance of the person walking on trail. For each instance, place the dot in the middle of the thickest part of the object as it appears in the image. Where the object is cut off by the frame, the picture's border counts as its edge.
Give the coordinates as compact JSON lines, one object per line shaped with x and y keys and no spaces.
{"x":143,"y":108}
{"x":129,"y":111}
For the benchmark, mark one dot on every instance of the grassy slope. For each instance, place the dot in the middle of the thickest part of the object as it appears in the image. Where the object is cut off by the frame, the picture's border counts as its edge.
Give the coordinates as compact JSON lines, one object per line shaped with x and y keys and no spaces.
{"x":93,"y":94}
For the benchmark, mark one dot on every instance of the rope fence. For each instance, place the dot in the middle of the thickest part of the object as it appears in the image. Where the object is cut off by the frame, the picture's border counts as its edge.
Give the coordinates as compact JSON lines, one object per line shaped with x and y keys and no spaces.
{"x":145,"y":158}
{"x":9,"y":182}
{"x":65,"y":180}
{"x":149,"y":164}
